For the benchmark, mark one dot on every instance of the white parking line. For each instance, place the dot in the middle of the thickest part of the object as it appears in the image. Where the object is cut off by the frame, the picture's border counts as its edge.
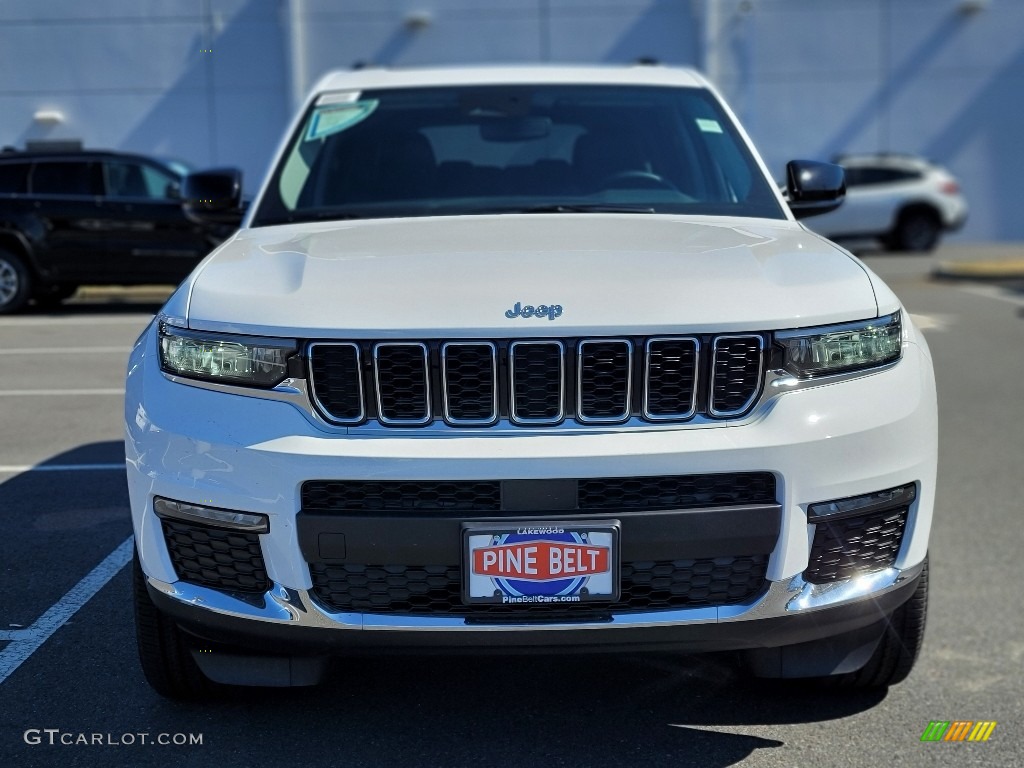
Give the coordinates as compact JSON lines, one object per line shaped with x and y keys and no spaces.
{"x":14,"y":634}
{"x":17,"y":469}
{"x":994,"y":292}
{"x":59,"y":392}
{"x":64,"y":351}
{"x":31,"y":640}
{"x":930,"y":322}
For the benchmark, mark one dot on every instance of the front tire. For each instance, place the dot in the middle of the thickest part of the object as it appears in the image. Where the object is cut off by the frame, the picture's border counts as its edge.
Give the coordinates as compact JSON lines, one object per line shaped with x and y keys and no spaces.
{"x":15,"y":282}
{"x":872,"y":657}
{"x":164,"y":651}
{"x":899,"y":647}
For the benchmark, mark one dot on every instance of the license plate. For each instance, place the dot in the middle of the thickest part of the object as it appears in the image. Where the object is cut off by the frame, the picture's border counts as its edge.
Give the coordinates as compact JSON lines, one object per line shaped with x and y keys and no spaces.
{"x":548,"y":563}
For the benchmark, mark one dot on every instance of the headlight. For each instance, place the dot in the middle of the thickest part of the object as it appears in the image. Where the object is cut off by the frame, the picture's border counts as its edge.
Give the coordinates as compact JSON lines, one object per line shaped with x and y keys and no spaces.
{"x":225,"y":358}
{"x":833,"y":349}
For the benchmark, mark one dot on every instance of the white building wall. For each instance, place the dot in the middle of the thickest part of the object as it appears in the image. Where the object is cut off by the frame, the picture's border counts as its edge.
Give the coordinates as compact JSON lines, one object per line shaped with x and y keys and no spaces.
{"x":214,"y":81}
{"x":813,"y":78}
{"x":201,"y":80}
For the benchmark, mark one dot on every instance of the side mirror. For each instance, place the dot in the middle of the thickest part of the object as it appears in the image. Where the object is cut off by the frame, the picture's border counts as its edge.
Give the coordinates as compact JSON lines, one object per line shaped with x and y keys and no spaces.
{"x":814,"y":187}
{"x":214,"y":196}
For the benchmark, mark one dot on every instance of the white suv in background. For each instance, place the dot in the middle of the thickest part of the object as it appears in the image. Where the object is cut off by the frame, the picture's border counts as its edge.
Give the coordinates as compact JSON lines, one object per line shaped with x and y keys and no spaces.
{"x":904,"y":201}
{"x":524,"y":358}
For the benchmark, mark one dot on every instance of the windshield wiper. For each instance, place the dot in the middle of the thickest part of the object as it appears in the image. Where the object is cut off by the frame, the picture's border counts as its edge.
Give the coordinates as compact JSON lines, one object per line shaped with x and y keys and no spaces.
{"x":583,"y":208}
{"x":339,"y":215}
{"x":306,"y":216}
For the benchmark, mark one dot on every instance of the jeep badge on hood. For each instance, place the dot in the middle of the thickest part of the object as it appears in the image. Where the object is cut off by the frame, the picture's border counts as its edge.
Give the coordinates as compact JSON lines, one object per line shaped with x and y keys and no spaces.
{"x":543,"y":310}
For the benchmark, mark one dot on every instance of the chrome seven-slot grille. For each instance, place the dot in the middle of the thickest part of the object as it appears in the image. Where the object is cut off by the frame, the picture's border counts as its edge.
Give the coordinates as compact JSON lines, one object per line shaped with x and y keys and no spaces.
{"x":536,"y":382}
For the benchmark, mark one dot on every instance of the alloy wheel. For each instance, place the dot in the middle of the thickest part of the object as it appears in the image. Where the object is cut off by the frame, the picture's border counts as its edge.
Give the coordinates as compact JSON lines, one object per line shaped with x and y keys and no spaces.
{"x":9,"y":282}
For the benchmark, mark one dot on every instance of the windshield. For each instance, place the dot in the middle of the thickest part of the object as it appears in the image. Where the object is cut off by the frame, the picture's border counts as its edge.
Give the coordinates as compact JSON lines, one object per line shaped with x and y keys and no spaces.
{"x":473,"y":150}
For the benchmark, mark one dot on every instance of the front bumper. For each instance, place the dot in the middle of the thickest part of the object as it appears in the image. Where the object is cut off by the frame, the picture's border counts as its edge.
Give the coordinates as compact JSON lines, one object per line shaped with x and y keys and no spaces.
{"x":289,"y":621}
{"x":243,"y":453}
{"x":956,"y":219}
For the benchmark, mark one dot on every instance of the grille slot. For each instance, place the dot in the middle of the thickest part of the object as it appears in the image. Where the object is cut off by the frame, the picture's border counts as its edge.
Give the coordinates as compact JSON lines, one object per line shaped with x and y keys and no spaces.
{"x":537,"y":372}
{"x":336,"y":381}
{"x":435,"y":590}
{"x":231,"y":561}
{"x":604,"y":381}
{"x":677,"y":491}
{"x":670,"y":390}
{"x":607,"y":494}
{"x":469,"y":373}
{"x":853,"y":546}
{"x":375,"y":496}
{"x":736,"y":374}
{"x":403,"y":383}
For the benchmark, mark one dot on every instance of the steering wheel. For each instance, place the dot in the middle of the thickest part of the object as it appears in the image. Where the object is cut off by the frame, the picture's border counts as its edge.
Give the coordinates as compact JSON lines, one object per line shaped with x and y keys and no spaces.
{"x":637,"y":180}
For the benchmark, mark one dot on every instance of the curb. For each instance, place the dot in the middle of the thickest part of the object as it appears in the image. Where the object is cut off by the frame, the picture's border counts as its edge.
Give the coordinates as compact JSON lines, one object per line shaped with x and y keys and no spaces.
{"x":111,"y":293}
{"x":995,"y":269}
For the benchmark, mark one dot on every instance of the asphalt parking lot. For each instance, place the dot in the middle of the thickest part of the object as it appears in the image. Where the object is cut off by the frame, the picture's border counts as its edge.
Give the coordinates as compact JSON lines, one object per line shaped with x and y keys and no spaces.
{"x":68,"y":670}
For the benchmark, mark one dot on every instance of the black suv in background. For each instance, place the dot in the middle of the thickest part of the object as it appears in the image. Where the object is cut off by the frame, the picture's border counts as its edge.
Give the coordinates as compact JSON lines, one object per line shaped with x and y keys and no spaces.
{"x":93,"y":218}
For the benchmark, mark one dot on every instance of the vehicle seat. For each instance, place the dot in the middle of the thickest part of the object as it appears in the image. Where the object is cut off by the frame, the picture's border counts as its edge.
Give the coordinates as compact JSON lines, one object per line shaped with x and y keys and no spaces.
{"x":375,"y":169}
{"x":127,"y":181}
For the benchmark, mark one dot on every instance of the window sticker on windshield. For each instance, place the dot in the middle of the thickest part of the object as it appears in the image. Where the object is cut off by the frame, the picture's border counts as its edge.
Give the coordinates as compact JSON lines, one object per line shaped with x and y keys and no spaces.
{"x":338,"y":97}
{"x":708,"y":126}
{"x":335,"y":119}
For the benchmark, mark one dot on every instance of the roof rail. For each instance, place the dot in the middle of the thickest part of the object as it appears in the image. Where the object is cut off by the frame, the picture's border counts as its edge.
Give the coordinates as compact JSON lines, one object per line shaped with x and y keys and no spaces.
{"x":54,"y":145}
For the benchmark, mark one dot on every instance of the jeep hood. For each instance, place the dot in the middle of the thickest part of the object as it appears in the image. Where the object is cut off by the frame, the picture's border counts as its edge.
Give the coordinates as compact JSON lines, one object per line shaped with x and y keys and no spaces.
{"x":612,"y":274}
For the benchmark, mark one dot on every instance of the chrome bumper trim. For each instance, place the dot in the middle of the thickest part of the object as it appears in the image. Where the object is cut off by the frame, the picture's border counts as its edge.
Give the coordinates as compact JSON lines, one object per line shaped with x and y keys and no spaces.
{"x":282,"y":605}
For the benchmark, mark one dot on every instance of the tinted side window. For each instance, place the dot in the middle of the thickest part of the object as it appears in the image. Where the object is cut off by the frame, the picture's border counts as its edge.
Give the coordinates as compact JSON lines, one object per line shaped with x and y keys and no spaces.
{"x":13,"y":178}
{"x":126,"y":179}
{"x":856,"y":177}
{"x":64,"y":178}
{"x":892,"y":175}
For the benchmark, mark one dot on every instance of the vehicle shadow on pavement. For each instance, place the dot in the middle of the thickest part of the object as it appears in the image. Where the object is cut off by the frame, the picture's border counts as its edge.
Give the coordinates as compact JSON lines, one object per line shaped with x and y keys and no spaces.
{"x":105,"y":307}
{"x":106,"y":452}
{"x":592,"y":710}
{"x":1016,"y":289}
{"x":58,"y":523}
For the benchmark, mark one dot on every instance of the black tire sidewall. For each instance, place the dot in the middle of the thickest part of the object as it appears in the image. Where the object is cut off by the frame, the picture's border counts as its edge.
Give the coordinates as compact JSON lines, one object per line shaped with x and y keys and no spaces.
{"x":906,"y":235}
{"x":164,"y":653}
{"x":53,"y":294}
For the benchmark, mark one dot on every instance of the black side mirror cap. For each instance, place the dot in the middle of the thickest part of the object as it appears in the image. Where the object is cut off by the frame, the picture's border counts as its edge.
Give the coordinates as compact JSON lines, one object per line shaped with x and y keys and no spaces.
{"x":213,"y":196}
{"x":814,"y":187}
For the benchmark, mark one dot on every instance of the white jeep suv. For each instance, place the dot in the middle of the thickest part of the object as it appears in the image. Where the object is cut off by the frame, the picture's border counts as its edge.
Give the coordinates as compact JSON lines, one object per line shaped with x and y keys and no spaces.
{"x":522,"y":358}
